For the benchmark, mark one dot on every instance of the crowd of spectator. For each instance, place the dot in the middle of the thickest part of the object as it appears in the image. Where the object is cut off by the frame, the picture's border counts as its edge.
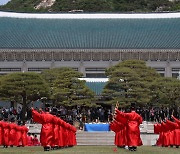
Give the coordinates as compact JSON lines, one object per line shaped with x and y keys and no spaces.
{"x":156,"y":114}
{"x":13,"y":113}
{"x":88,"y":115}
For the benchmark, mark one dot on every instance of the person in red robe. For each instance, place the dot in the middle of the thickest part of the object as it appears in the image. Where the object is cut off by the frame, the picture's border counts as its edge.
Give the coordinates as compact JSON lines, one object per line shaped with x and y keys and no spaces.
{"x":122,"y":133}
{"x":161,"y":136}
{"x":65,"y":134}
{"x":73,"y":130}
{"x":166,"y":135}
{"x":29,"y":140}
{"x":6,"y":130}
{"x":1,"y":133}
{"x":47,"y":133}
{"x":132,"y":128}
{"x":173,"y":137}
{"x":177,"y":132}
{"x":61,"y":132}
{"x":56,"y":133}
{"x":118,"y":128}
{"x":12,"y":133}
{"x":36,"y":141}
{"x":158,"y":130}
{"x":69,"y":141}
{"x":24,"y":131}
{"x":19,"y":135}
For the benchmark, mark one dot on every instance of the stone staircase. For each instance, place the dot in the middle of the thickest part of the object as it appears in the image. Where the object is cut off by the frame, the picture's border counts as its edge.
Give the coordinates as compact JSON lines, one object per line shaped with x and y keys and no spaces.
{"x":95,"y":138}
{"x":107,"y":138}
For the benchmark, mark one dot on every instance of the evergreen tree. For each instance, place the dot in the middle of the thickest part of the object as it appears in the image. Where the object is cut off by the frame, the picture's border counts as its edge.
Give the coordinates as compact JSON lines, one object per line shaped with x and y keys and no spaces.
{"x":166,"y":91}
{"x":67,"y":89}
{"x":129,"y":81}
{"x":23,"y":88}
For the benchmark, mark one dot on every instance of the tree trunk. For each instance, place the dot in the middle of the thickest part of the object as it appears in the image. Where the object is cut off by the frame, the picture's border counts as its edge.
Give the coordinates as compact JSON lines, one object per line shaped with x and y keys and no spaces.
{"x":24,"y":108}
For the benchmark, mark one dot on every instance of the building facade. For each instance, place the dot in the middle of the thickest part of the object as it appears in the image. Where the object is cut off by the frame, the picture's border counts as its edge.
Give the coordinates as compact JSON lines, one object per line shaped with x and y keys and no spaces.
{"x":89,"y":43}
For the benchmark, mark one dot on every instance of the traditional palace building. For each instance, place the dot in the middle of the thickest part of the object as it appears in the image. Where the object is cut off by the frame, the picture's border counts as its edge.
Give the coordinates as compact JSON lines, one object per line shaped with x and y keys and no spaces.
{"x":88,"y":43}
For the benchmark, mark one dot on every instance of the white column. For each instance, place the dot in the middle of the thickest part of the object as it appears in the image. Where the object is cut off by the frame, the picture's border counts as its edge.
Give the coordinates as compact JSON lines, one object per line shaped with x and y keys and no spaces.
{"x":168,"y":72}
{"x":24,"y":67}
{"x":81,"y":68}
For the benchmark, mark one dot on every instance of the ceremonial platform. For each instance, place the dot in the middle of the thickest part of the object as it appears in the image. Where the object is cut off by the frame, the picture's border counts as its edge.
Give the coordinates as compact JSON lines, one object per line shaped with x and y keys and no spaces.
{"x":104,"y":137}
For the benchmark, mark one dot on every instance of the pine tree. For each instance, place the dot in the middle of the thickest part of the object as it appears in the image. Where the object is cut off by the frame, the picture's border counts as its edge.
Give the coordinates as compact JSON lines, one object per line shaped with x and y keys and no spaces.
{"x":23,"y":88}
{"x":129,"y":81}
{"x":67,"y":89}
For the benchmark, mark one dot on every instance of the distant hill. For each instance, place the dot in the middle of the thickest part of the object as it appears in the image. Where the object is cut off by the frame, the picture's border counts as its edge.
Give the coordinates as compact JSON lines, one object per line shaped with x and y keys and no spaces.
{"x":91,"y":5}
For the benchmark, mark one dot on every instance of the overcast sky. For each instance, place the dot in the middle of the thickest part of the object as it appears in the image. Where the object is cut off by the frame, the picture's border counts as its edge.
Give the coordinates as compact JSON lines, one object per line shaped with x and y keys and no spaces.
{"x":2,"y":2}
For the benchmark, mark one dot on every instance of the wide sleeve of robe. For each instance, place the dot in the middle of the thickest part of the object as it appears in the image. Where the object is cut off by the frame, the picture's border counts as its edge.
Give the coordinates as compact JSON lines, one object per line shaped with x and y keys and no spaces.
{"x":37,"y":117}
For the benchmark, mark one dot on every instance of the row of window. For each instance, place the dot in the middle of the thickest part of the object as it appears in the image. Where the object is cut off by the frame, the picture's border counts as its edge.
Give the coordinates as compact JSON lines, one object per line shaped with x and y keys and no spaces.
{"x":29,"y":69}
{"x":100,"y":74}
{"x":10,"y":69}
{"x":86,"y":69}
{"x":41,"y":69}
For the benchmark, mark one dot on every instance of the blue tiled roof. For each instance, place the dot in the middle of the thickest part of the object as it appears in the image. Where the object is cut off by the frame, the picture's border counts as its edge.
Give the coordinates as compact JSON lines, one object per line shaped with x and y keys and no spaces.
{"x":162,"y":33}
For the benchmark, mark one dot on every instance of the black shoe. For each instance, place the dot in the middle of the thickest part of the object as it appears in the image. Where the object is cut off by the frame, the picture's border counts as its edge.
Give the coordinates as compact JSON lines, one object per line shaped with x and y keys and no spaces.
{"x":53,"y":148}
{"x":177,"y":146}
{"x":130,"y":148}
{"x":46,"y":148}
{"x":135,"y":149}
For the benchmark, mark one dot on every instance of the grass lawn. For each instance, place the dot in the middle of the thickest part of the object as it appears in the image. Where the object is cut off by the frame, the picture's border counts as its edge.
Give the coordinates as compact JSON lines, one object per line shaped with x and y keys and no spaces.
{"x":89,"y":150}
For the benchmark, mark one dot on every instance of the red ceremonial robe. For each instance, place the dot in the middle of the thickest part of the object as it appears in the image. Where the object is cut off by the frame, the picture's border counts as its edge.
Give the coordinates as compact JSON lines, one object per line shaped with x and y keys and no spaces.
{"x":47,"y":133}
{"x":118,"y":128}
{"x":29,"y":140}
{"x":122,"y":132}
{"x":132,"y":132}
{"x":166,"y":137}
{"x":18,"y":135}
{"x":6,"y":130}
{"x":74,"y":135}
{"x":65,"y":134}
{"x":177,"y":132}
{"x":12,"y":134}
{"x":113,"y":127}
{"x":24,"y":135}
{"x":69,"y":135}
{"x":56,"y":131}
{"x":1,"y":133}
{"x":157,"y":130}
{"x":161,"y":136}
{"x":173,"y":126}
{"x":36,"y":141}
{"x":61,"y":132}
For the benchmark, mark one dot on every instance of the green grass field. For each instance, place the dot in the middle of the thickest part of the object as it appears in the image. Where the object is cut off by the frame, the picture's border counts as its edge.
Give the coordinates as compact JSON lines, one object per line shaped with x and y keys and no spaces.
{"x":89,"y":150}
